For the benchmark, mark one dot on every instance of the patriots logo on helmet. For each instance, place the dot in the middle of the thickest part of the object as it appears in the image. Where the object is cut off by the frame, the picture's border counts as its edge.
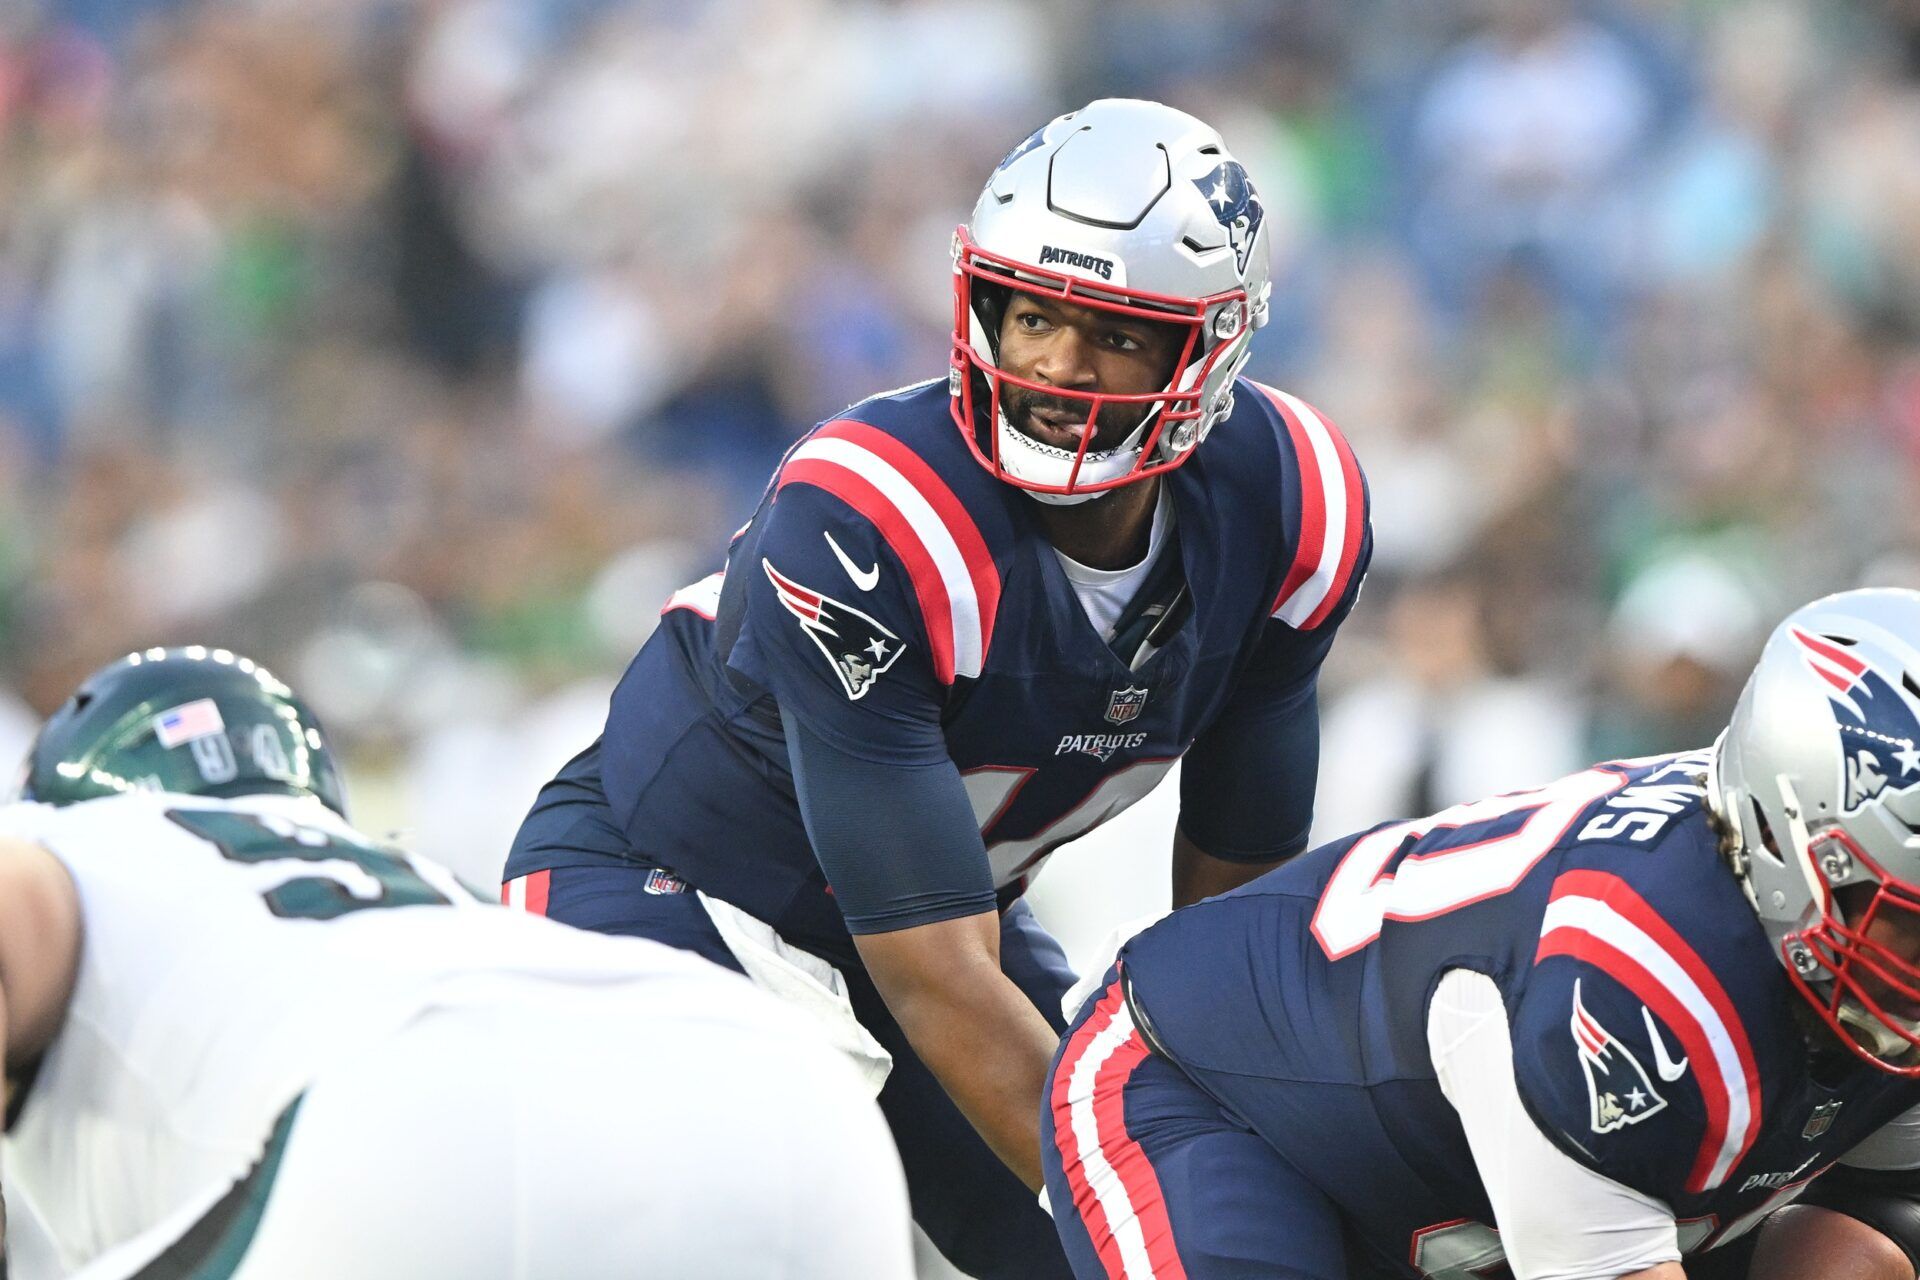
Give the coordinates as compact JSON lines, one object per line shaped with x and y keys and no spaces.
{"x":1032,"y":140}
{"x":1235,"y":203}
{"x":858,"y":647}
{"x":1879,"y":731}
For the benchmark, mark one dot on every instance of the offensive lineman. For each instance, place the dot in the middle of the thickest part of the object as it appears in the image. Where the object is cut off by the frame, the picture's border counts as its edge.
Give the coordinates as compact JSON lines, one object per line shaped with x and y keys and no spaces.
{"x":970,"y":621}
{"x":1587,"y":1029}
{"x":242,"y":1040}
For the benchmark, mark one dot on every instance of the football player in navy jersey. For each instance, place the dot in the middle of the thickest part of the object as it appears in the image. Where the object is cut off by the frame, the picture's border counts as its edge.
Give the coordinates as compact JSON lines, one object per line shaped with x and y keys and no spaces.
{"x":970,"y":621}
{"x":1578,"y":1032}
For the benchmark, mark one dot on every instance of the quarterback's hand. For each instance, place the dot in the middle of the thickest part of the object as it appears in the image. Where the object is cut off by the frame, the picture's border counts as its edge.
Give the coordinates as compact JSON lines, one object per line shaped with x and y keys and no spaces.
{"x":976,"y":1031}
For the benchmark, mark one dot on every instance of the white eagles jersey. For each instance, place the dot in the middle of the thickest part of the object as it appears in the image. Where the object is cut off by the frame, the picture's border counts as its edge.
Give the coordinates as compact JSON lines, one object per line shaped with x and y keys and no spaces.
{"x":234,"y":949}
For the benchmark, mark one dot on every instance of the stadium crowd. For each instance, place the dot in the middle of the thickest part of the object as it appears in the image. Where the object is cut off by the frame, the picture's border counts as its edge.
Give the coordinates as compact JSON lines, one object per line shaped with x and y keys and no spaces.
{"x":421,"y":347}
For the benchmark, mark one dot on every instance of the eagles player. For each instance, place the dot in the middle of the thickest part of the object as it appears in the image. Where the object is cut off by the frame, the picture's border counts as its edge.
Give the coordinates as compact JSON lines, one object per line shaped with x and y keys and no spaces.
{"x":242,"y":1039}
{"x":970,"y":621}
{"x":1581,"y":1031}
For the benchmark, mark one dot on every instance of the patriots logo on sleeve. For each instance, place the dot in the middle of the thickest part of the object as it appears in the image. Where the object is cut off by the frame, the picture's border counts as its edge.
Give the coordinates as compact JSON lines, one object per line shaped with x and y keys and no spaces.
{"x":1618,"y":1088}
{"x":1879,"y":733}
{"x":857,"y":646}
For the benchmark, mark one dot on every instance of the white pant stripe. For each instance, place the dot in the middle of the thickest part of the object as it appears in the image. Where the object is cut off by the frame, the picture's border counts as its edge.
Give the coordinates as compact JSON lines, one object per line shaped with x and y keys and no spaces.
{"x":1122,"y":1221}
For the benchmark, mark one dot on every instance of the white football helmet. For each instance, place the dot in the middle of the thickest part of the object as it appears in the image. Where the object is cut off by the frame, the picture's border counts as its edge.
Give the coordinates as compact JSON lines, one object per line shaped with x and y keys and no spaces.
{"x":1817,"y":782}
{"x":1124,"y":206}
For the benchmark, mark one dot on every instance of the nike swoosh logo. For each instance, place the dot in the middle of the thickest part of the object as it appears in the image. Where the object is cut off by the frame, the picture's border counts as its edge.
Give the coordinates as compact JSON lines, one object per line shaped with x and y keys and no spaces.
{"x":1669,"y":1069}
{"x":867,"y":580}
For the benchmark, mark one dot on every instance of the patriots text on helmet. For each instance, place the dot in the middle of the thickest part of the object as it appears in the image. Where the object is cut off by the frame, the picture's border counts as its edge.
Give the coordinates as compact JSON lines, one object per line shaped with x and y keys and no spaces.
{"x":1165,"y":227}
{"x":1051,"y":255}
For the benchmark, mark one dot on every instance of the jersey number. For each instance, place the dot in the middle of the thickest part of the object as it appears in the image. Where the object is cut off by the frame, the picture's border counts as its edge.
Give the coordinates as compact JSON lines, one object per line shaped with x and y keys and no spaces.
{"x":992,"y":790}
{"x":1496,"y":842}
{"x":360,"y":875}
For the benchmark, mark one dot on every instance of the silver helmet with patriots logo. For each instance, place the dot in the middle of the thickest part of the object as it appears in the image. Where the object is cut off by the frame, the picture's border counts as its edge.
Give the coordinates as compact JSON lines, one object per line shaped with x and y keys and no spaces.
{"x":1129,"y":207}
{"x":1816,"y":782}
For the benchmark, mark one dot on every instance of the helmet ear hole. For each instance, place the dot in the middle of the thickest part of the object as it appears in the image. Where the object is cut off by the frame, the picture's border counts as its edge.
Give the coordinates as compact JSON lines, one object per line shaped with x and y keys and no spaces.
{"x":1767,"y":844}
{"x":990,"y":307}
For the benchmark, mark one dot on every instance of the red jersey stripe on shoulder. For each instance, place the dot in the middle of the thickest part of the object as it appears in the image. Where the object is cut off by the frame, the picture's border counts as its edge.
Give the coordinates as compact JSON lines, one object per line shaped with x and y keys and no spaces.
{"x":1313,"y":505}
{"x":929,"y":588}
{"x":1599,"y":918}
{"x":1629,"y":973}
{"x":983,"y":574}
{"x":953,"y":574}
{"x":1332,"y":514}
{"x":1356,"y":531}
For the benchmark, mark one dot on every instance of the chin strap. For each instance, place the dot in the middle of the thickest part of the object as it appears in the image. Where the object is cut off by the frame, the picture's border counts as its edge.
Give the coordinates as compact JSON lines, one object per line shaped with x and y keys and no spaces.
{"x":1065,"y":499}
{"x":1068,"y":499}
{"x":1876,"y":1037}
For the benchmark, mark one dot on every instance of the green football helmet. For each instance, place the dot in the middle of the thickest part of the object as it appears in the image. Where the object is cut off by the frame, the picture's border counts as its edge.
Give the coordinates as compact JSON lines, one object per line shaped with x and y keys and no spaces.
{"x":198,"y":721}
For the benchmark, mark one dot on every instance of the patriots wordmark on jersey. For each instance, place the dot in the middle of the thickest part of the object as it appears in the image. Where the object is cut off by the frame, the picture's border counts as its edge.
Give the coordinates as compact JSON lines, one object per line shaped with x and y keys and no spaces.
{"x":901,"y":696}
{"x":906,"y":606}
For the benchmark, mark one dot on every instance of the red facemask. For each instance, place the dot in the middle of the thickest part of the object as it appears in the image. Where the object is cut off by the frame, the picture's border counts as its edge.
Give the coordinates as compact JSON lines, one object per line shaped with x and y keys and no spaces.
{"x":1861,"y":969}
{"x":1180,"y":408}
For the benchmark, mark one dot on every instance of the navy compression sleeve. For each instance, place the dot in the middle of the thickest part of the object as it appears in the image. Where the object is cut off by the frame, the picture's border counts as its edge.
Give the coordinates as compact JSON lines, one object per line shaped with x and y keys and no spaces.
{"x":1247,"y":783}
{"x":898,"y":841}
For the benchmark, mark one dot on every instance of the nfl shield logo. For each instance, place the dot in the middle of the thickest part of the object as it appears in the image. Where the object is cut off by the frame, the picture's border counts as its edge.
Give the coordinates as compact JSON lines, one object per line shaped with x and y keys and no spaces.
{"x":1821,"y":1120}
{"x":1125,"y":704}
{"x":660,"y":880}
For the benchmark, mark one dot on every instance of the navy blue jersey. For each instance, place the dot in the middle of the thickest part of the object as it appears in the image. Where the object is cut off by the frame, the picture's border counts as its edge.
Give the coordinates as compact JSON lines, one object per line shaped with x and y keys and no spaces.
{"x":907,"y":608}
{"x":1656,"y":1037}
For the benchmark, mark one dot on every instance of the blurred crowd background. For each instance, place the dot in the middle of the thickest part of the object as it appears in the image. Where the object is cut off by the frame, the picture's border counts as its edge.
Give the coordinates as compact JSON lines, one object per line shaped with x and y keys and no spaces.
{"x":420,"y":348}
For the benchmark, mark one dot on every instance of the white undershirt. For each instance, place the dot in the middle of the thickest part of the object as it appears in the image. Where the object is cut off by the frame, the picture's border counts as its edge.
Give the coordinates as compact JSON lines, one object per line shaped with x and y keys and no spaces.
{"x":1558,"y":1219}
{"x":1105,"y":593}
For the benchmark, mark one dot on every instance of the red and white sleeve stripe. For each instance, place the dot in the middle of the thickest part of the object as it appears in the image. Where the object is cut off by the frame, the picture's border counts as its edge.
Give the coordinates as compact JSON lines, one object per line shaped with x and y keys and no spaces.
{"x":1599,"y":918}
{"x":1333,"y":515}
{"x":953,"y":574}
